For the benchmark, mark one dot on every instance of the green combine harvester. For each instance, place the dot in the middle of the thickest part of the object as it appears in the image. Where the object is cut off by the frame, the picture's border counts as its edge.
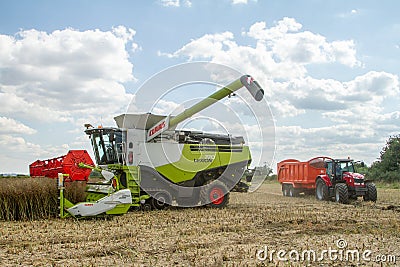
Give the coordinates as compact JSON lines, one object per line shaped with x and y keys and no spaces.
{"x":148,"y":164}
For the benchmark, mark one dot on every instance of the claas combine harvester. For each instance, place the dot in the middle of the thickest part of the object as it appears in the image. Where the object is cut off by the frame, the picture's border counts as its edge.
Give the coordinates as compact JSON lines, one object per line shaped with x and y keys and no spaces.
{"x":148,"y":164}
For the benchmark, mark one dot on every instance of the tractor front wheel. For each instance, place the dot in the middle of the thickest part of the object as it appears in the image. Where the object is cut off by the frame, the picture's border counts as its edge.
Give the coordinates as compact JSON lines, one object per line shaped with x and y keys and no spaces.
{"x":372,"y":194}
{"x":214,"y":195}
{"x":341,"y":193}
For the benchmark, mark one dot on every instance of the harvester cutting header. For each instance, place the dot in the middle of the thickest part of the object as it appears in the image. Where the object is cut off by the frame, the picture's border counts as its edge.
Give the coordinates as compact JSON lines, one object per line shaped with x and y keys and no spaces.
{"x":162,"y":166}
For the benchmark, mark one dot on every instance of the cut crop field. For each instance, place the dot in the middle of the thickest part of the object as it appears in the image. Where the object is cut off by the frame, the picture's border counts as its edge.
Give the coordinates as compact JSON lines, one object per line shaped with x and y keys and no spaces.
{"x":249,"y":232}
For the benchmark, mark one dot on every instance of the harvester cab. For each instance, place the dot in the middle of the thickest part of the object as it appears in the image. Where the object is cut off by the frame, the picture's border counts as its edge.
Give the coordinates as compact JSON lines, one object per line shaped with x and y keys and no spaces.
{"x":107,"y":145}
{"x":162,"y":166}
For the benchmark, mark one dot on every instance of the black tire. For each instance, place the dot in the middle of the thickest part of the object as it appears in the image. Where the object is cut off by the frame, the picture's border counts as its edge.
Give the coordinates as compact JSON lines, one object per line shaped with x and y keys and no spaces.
{"x":372,"y":194}
{"x":214,"y":195}
{"x":161,"y":200}
{"x":285,"y":191}
{"x":293,"y":192}
{"x":341,"y":193}
{"x":321,"y":190}
{"x":146,"y":207}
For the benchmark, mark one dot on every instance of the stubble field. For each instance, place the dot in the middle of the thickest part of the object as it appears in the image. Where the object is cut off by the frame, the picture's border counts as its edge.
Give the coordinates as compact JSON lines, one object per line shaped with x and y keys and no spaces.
{"x":243,"y":234}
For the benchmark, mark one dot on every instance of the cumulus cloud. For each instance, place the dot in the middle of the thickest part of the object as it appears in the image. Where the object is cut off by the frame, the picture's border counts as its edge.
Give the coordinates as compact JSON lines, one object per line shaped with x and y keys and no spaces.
{"x":176,"y":3}
{"x":67,"y":76}
{"x":238,"y":2}
{"x":59,"y":73}
{"x":11,"y":126}
{"x":321,"y":116}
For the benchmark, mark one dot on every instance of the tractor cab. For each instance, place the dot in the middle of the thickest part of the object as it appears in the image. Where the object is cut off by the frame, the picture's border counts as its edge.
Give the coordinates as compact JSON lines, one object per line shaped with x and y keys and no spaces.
{"x":335,"y":168}
{"x":108,"y":145}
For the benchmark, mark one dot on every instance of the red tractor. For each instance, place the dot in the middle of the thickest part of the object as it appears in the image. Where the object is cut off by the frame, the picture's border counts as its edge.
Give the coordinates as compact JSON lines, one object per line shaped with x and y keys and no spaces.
{"x":325,"y":177}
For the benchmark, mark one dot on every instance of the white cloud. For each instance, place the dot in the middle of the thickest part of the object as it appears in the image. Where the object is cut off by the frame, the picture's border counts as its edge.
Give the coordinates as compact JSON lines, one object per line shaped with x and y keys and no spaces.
{"x":187,"y":3}
{"x":321,"y":116}
{"x":235,"y":2}
{"x":170,"y":3}
{"x":11,"y":126}
{"x":349,"y":14}
{"x":238,"y":2}
{"x":167,"y":107}
{"x":176,"y":3}
{"x":60,"y":73}
{"x":11,"y":145}
{"x":200,"y":48}
{"x":64,"y":76}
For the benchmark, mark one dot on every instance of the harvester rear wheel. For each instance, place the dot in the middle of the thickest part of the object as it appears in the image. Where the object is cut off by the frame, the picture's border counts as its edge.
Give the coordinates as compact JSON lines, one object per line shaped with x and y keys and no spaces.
{"x":161,"y":200}
{"x":341,"y":193}
{"x":372,"y":194}
{"x":321,"y":190}
{"x":214,"y":195}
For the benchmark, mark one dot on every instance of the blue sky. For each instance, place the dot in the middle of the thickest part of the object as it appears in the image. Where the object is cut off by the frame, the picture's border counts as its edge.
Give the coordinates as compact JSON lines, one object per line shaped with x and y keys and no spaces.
{"x":330,"y":68}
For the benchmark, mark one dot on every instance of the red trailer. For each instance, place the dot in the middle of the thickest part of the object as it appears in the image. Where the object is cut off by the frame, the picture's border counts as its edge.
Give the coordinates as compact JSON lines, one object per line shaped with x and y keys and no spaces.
{"x":325,"y":177}
{"x":67,"y":164}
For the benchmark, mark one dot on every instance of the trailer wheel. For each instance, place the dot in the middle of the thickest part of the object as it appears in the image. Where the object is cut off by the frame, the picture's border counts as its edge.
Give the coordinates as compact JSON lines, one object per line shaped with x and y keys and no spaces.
{"x":321,"y":190}
{"x":161,"y":200}
{"x":293,"y":192}
{"x":372,"y":194}
{"x":214,"y":195}
{"x":285,"y":191}
{"x":341,"y":193}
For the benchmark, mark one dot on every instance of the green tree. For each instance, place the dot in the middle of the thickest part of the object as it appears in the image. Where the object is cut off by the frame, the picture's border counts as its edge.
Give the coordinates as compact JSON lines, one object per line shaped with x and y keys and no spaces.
{"x":390,"y":154}
{"x":388,"y":167}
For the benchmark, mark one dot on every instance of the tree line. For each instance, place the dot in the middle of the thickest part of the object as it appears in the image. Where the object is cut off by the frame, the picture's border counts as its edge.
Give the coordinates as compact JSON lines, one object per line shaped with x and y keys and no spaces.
{"x":387,"y":168}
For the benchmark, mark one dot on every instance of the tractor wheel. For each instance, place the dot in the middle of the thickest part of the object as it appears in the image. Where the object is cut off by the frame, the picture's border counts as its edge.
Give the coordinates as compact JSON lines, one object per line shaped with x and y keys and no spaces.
{"x":214,"y":195}
{"x":161,"y":200}
{"x":321,"y":190}
{"x":341,"y":193}
{"x":372,"y":194}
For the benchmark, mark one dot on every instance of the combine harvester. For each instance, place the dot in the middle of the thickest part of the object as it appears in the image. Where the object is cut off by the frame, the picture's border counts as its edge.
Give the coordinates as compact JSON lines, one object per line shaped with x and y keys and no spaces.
{"x":148,"y":164}
{"x":326,"y":177}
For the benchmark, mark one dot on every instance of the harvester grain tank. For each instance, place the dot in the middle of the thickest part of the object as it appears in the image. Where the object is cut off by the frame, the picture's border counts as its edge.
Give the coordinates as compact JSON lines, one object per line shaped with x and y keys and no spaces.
{"x":162,"y":166}
{"x":325,"y":177}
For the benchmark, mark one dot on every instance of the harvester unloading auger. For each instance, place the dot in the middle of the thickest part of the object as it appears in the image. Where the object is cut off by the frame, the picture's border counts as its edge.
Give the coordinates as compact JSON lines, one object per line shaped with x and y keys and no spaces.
{"x":161,"y":166}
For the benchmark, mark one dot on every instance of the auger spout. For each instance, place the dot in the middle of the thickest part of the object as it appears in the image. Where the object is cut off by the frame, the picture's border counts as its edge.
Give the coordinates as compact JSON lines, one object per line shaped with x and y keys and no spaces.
{"x":246,"y":80}
{"x":170,"y":122}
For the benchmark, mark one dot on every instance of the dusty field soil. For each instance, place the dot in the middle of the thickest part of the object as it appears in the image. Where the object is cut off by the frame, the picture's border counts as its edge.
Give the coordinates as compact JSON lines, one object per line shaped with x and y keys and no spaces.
{"x":242,"y":234}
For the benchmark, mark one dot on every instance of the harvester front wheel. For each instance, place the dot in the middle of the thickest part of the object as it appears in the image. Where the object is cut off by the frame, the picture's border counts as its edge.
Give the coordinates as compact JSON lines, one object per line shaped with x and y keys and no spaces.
{"x":161,"y":200}
{"x":214,"y":195}
{"x":372,"y":194}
